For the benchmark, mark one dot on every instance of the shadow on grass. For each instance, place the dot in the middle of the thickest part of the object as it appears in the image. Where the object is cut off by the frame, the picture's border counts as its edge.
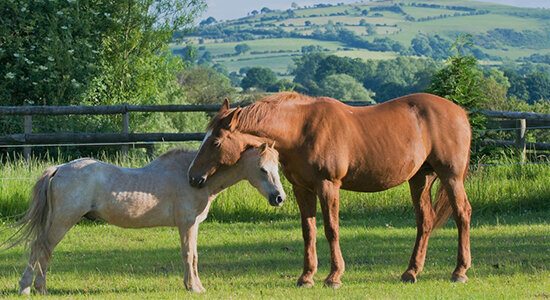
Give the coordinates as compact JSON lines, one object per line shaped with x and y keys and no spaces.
{"x":378,"y":253}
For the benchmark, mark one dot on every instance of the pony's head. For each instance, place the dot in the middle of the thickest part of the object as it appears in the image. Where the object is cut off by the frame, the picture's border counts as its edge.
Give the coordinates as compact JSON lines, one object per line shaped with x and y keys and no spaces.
{"x":222,"y":146}
{"x":261,"y":168}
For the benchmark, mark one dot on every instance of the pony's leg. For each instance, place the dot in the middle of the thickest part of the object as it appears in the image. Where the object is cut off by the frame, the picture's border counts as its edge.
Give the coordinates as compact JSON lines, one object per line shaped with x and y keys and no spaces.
{"x":462,"y":212}
{"x":27,"y":277}
{"x":420,"y":185}
{"x":56,"y":232}
{"x":328,"y":193}
{"x":307,"y":202}
{"x":188,"y":235}
{"x":196,"y":260}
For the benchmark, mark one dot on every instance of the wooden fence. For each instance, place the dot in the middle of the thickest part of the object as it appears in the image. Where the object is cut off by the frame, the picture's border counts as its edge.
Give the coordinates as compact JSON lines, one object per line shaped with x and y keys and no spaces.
{"x":519,"y":122}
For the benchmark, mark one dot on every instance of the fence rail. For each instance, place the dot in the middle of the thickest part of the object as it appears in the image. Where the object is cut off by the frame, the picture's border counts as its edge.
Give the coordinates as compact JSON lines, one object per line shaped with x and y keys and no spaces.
{"x":519,"y":122}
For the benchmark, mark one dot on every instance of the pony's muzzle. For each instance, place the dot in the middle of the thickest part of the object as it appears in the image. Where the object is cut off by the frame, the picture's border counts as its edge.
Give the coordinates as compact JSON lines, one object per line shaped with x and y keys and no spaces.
{"x":197,"y":182}
{"x":276,"y":200}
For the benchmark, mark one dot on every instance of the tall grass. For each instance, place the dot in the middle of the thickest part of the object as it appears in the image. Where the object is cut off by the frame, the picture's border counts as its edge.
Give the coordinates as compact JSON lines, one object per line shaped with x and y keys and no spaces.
{"x":508,"y":188}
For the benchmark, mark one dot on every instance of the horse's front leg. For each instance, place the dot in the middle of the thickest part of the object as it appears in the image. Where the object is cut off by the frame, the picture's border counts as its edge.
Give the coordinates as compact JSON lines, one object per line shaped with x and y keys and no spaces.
{"x":328,"y":193}
{"x":188,"y":234}
{"x":307,"y":202}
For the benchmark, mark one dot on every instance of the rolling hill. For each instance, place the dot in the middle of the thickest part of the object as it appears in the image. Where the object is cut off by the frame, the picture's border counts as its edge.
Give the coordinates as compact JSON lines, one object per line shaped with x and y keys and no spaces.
{"x":374,"y":30}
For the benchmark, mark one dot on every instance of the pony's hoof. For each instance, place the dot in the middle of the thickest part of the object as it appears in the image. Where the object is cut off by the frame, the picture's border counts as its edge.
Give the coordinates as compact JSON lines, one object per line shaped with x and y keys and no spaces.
{"x":25,"y":291}
{"x":459,"y":278}
{"x":196,"y":289}
{"x":332,"y":284}
{"x":408,"y":278}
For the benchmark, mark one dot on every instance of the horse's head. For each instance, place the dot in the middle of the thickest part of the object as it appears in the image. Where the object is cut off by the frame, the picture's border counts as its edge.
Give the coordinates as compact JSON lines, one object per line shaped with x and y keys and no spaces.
{"x":261,"y":166}
{"x":223,"y":145}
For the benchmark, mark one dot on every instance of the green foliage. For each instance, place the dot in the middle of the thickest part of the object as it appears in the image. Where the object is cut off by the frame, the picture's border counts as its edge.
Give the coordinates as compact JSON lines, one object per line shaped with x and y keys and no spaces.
{"x":204,"y":85}
{"x":242,"y":48}
{"x":461,"y":82}
{"x":49,"y":50}
{"x":345,"y":88}
{"x":258,"y":77}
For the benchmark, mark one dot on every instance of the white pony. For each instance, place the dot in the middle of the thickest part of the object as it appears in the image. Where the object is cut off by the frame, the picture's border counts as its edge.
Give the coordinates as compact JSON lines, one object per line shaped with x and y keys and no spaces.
{"x":155,"y":195}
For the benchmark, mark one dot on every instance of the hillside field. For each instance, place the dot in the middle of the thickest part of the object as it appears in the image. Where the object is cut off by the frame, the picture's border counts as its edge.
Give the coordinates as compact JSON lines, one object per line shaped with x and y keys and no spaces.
{"x":400,"y":21}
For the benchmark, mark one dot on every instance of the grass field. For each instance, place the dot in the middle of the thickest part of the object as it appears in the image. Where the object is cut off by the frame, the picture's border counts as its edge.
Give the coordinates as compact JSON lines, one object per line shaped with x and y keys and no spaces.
{"x":248,"y":249}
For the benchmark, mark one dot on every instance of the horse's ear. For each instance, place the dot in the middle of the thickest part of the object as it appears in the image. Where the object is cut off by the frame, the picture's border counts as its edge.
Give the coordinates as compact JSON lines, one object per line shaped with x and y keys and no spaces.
{"x":273,"y":145}
{"x":234,"y":118}
{"x":225,"y":106}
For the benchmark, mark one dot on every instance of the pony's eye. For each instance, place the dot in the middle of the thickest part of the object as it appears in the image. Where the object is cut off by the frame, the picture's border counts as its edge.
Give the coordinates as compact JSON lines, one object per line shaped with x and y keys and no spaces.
{"x":264,"y":170}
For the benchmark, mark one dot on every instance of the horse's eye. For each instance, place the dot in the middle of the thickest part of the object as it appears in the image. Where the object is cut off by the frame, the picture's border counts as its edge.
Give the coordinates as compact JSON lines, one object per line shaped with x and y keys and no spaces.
{"x":264,"y":170}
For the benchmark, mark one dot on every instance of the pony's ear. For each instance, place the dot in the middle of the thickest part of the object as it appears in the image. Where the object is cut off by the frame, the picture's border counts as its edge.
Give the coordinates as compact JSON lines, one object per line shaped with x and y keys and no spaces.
{"x":273,"y":145}
{"x":263,"y":147}
{"x":225,"y":106}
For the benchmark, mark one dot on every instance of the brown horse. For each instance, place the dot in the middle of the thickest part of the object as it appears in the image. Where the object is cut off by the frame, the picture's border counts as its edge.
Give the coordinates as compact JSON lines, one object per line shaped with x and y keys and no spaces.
{"x":325,"y":145}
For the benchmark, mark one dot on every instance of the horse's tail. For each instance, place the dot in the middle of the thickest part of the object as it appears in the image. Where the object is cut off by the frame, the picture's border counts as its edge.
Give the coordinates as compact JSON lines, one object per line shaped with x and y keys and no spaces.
{"x":35,"y":223}
{"x":442,"y":205}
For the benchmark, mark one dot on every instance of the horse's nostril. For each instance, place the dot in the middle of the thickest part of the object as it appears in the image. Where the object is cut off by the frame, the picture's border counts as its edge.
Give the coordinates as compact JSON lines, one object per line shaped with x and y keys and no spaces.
{"x":279,"y":200}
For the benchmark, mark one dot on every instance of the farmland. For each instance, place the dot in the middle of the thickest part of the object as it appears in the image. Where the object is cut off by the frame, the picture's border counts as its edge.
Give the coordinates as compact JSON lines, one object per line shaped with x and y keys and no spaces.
{"x":275,"y":37}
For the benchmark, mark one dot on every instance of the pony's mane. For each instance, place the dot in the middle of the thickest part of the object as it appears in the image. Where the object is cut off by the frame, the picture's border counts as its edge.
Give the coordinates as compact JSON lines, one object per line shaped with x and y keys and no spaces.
{"x":269,"y":154}
{"x":254,"y":113}
{"x":174,"y":152}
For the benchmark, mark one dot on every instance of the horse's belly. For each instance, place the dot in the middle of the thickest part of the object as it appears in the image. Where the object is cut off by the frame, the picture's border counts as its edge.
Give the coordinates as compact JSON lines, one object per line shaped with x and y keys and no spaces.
{"x":379,"y":178}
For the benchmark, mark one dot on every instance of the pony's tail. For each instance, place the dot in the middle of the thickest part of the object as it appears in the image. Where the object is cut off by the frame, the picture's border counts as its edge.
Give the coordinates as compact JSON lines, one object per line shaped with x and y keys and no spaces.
{"x":35,"y":223}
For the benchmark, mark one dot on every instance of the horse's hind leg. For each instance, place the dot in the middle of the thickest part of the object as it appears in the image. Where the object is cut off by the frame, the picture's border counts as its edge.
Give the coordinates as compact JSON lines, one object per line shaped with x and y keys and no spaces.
{"x":462,"y":212}
{"x":55,"y":233}
{"x":420,"y":185}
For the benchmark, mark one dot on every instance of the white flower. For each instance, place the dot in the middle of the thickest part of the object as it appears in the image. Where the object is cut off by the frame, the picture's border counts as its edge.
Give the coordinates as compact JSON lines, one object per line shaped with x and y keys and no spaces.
{"x":95,"y":51}
{"x":59,"y":13}
{"x":71,"y":51}
{"x":30,"y":62}
{"x":107,"y":14}
{"x":50,"y":58}
{"x":10,"y":75}
{"x":23,"y":9}
{"x":64,"y":27}
{"x":16,"y":54}
{"x":34,"y":83}
{"x":43,"y":68}
{"x":33,"y":47}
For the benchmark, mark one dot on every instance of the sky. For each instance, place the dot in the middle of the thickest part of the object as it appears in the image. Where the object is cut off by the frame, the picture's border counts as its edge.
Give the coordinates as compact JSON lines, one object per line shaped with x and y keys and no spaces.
{"x":233,"y":9}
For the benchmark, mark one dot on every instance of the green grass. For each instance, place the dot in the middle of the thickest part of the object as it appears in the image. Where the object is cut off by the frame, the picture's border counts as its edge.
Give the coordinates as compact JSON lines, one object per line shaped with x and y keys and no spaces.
{"x":248,"y":249}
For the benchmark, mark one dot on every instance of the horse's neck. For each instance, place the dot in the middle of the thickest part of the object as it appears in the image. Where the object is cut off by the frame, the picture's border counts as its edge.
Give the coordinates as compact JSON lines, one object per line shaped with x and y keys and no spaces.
{"x":225,"y":178}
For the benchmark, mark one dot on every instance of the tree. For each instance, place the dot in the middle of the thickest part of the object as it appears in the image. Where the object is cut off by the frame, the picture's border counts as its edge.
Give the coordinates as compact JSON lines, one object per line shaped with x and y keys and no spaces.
{"x":208,"y":21}
{"x":294,"y":5}
{"x":254,"y":12}
{"x":242,"y":48}
{"x":538,"y":85}
{"x":461,"y":82}
{"x":265,"y":10}
{"x":345,"y":88}
{"x":204,"y":85}
{"x":259,"y":77}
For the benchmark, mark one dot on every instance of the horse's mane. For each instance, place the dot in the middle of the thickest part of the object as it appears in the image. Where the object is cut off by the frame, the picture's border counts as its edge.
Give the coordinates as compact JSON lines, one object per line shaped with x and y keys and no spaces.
{"x":253,"y":114}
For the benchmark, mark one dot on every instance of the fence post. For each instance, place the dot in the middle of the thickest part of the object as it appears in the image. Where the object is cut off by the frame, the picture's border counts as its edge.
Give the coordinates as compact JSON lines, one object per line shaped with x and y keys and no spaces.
{"x":125,"y":128}
{"x":28,"y":129}
{"x":521,"y":128}
{"x":150,"y":151}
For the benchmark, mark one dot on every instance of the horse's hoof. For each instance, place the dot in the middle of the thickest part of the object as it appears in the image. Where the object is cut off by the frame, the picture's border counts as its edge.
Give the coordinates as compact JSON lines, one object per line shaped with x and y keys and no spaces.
{"x":25,"y":291}
{"x":459,"y":278}
{"x":408,"y":277}
{"x":333,"y":285}
{"x":306,"y":284}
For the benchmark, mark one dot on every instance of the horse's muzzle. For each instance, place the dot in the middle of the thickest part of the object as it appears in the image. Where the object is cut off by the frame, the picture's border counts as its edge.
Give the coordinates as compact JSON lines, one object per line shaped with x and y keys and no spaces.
{"x":276,"y":200}
{"x":197,"y":182}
